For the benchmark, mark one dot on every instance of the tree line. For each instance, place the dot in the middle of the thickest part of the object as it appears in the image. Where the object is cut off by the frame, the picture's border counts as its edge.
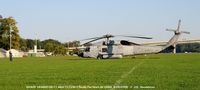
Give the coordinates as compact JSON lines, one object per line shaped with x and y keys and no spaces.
{"x":50,"y":45}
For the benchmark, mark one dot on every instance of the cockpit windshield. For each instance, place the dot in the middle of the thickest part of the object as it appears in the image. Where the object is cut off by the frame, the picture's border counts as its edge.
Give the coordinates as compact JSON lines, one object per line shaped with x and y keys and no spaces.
{"x":87,"y":49}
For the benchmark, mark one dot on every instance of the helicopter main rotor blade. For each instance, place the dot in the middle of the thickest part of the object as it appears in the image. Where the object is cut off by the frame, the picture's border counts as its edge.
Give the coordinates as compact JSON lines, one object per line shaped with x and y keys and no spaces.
{"x":93,"y":40}
{"x":97,"y":38}
{"x":89,"y":38}
{"x":111,"y":36}
{"x":135,"y":37}
{"x":104,"y":36}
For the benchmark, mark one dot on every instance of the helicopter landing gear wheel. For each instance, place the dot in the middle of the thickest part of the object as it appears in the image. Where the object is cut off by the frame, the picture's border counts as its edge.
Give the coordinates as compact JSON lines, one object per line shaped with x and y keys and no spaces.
{"x":100,"y":57}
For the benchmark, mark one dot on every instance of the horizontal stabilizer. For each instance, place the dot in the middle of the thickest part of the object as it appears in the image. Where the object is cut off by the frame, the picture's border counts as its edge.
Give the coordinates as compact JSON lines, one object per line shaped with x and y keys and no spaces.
{"x":171,"y":30}
{"x":185,"y":32}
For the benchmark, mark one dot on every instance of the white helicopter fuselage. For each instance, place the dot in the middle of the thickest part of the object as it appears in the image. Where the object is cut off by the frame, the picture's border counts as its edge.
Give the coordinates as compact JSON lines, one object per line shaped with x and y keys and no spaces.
{"x":119,"y":50}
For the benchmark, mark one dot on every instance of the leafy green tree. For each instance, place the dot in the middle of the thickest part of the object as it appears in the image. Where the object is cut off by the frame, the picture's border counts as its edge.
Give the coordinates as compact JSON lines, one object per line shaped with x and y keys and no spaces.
{"x":43,"y":43}
{"x":72,"y":44}
{"x":30,"y":43}
{"x":49,"y":47}
{"x":60,"y":49}
{"x":23,"y":44}
{"x":6,"y":25}
{"x":54,"y":46}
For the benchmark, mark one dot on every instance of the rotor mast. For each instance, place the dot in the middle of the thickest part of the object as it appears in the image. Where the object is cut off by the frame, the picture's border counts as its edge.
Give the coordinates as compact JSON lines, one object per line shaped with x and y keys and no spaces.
{"x":108,"y":36}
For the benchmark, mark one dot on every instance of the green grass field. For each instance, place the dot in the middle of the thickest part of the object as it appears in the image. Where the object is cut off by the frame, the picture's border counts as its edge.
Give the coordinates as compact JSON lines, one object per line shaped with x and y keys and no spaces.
{"x":159,"y":71}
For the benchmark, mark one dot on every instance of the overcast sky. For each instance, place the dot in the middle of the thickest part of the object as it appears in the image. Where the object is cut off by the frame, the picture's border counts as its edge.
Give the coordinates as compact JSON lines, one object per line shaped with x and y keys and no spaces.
{"x":67,"y":20}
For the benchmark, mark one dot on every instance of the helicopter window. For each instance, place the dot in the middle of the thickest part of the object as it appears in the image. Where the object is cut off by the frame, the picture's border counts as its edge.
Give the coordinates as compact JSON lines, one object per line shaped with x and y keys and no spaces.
{"x":104,"y":49}
{"x":111,"y":42}
{"x":123,"y":42}
{"x":87,"y":50}
{"x":104,"y":43}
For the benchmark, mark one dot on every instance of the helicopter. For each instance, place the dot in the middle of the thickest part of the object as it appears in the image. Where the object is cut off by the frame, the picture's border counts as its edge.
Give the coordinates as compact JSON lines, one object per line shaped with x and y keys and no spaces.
{"x":119,"y":48}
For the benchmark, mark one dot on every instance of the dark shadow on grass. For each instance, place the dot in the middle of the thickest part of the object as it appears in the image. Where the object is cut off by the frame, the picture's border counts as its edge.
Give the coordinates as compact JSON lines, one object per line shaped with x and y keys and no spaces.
{"x":144,"y":57}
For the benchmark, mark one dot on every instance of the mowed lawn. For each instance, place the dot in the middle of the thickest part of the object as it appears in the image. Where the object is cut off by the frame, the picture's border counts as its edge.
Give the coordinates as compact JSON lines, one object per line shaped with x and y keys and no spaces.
{"x":160,"y":71}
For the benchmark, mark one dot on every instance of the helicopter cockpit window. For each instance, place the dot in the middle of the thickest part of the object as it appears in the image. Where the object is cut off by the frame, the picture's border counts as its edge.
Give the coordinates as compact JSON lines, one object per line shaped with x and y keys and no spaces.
{"x":104,"y":43}
{"x":123,"y":42}
{"x":104,"y":49}
{"x":87,"y":50}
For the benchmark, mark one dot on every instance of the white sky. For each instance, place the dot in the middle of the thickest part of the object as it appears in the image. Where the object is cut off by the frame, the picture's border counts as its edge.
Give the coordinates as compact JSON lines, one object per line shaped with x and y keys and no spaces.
{"x":67,"y":20}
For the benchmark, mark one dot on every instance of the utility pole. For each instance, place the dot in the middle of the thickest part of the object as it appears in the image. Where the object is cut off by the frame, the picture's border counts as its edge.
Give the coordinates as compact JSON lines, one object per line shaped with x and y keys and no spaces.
{"x":10,"y":53}
{"x":10,"y":36}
